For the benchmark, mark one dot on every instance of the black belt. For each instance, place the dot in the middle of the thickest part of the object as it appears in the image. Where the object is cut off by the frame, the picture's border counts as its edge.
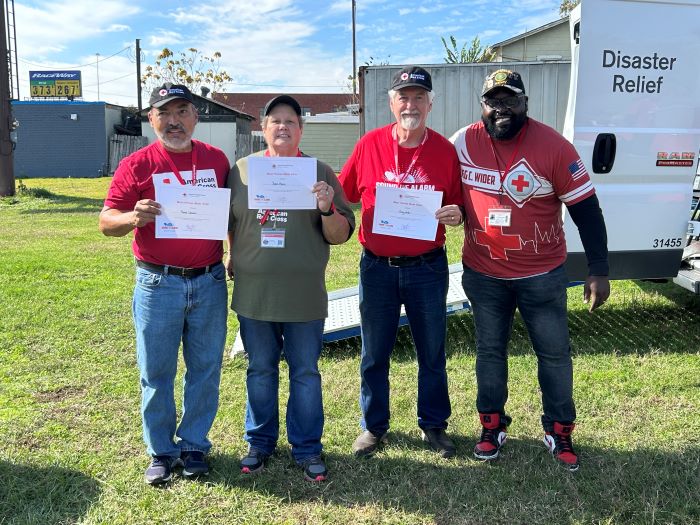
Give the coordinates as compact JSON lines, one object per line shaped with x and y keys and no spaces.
{"x":408,"y":260}
{"x":175,"y":270}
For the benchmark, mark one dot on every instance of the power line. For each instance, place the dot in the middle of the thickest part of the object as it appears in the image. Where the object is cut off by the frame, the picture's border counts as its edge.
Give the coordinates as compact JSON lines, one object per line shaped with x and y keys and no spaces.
{"x":111,"y":80}
{"x":74,"y":67}
{"x":280,"y":85}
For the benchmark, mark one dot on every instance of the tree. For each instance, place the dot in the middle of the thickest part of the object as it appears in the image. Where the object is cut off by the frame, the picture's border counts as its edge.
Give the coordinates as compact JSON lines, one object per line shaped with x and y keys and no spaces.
{"x":190,"y":68}
{"x":475,"y":53}
{"x":567,"y":6}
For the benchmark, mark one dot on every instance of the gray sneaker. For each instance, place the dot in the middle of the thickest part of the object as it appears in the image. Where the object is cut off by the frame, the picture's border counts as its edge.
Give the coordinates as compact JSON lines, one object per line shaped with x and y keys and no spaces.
{"x":194,"y":464}
{"x":314,"y":469}
{"x":367,"y":443}
{"x":160,"y":470}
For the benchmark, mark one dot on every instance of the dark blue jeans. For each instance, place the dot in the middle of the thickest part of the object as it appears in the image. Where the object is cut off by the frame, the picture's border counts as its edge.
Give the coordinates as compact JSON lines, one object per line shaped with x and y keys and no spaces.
{"x":541,"y":301}
{"x":301,"y":342}
{"x":422,"y":289}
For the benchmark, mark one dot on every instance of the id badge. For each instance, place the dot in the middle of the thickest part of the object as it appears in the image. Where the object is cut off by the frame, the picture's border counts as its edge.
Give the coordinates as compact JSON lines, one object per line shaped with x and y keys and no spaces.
{"x":272,"y":238}
{"x":499,"y":217}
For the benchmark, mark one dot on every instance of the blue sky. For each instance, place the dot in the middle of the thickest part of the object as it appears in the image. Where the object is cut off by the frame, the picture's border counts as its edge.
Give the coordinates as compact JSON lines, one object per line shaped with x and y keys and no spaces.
{"x":266,"y":45}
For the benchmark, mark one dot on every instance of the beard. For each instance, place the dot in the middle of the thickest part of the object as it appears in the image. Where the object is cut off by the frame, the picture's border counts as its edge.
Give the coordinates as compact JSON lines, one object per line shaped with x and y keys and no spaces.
{"x":175,"y":143}
{"x":504,"y":132}
{"x":410,"y":122}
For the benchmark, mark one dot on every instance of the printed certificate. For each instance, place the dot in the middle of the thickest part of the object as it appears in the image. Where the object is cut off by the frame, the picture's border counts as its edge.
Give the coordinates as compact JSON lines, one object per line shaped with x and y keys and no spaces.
{"x":187,"y":212}
{"x":281,"y":183}
{"x":405,"y":212}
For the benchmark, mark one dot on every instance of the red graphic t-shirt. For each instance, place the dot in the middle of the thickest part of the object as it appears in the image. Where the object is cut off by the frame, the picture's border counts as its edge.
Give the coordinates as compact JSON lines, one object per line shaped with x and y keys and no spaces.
{"x":431,"y":166}
{"x":133,"y":181}
{"x":545,"y":171}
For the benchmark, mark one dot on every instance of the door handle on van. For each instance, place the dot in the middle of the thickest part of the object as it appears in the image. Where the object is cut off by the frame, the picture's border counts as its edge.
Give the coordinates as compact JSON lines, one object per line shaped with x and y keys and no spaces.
{"x":604,"y":153}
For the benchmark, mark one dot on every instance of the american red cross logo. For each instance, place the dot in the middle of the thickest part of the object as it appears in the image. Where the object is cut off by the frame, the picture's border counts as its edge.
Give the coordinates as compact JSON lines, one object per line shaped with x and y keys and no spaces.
{"x":520,"y":183}
{"x":496,"y":241}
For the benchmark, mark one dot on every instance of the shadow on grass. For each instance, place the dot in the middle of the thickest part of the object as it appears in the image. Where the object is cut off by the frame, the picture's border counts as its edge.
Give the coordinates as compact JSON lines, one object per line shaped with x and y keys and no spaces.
{"x":34,"y":201}
{"x":46,"y":495}
{"x":637,"y":322}
{"x":525,"y":485}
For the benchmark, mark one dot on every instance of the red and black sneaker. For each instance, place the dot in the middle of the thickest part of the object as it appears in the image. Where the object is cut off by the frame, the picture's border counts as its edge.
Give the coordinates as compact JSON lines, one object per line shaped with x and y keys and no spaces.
{"x":559,"y":444}
{"x":493,"y":436}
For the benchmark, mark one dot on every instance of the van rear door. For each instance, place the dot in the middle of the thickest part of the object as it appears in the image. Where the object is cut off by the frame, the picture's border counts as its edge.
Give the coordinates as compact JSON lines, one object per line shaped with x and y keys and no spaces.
{"x":634,"y":117}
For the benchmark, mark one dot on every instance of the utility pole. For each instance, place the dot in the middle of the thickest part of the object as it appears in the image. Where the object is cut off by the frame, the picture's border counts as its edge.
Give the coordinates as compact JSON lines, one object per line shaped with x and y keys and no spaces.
{"x":354,"y":59}
{"x":138,"y":72}
{"x":97,"y":65}
{"x":7,"y":176}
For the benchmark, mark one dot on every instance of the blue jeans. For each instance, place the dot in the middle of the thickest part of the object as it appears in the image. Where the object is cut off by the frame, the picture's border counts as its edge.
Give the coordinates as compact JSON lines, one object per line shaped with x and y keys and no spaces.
{"x":167,"y":310}
{"x":423,"y":290}
{"x":301,"y":343}
{"x":541,"y":301}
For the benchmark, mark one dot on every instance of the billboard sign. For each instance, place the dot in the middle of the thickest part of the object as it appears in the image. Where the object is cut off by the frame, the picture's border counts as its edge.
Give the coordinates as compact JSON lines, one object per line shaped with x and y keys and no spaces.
{"x":55,"y":84}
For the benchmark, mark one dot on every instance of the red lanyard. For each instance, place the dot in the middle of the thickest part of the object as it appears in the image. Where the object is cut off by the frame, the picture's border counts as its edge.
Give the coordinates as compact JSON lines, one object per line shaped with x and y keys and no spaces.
{"x":266,"y":214}
{"x":512,"y":158}
{"x":416,"y":153}
{"x":174,"y":169}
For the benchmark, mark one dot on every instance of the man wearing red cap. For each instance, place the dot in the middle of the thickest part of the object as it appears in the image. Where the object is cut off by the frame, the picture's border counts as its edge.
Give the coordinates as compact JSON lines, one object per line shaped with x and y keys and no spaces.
{"x":398,"y":270}
{"x":516,"y":173}
{"x":180,"y":292}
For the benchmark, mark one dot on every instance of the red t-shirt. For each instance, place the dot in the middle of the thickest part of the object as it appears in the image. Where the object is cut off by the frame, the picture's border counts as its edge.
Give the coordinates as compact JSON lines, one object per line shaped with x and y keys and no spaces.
{"x":372,"y":163}
{"x":133,"y":181}
{"x":546,"y":171}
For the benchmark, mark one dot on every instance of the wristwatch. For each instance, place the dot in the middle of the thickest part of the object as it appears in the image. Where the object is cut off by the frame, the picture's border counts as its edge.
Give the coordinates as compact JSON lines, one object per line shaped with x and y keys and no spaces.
{"x":328,"y":213}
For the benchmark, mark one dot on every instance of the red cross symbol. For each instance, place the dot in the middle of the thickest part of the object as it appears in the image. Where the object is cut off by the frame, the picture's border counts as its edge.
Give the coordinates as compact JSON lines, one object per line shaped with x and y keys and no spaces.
{"x":520,"y":183}
{"x":497,"y":242}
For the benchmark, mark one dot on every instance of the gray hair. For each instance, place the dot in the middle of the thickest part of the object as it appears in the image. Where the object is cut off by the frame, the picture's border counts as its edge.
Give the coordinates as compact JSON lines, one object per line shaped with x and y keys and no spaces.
{"x":392,"y":93}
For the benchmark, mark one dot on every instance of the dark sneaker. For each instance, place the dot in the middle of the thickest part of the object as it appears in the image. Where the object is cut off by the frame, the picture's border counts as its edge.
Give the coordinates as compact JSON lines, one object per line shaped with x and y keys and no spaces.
{"x":493,"y":436}
{"x":315,"y":469}
{"x":367,"y":443}
{"x":254,"y":461}
{"x":438,"y":440}
{"x":161,"y":469}
{"x":559,"y":444}
{"x":194,"y":464}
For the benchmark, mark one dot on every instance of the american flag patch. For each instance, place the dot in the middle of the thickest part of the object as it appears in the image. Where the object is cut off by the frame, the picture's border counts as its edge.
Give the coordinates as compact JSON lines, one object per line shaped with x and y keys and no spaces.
{"x":577,"y":169}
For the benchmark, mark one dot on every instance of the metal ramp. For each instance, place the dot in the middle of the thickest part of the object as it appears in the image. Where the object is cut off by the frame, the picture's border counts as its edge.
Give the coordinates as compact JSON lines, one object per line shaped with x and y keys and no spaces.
{"x":343,"y":319}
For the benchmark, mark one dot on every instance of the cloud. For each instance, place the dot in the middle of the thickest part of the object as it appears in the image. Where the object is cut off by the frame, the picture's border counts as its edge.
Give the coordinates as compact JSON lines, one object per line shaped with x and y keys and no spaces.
{"x":163,"y":39}
{"x":116,"y":28}
{"x":63,"y":22}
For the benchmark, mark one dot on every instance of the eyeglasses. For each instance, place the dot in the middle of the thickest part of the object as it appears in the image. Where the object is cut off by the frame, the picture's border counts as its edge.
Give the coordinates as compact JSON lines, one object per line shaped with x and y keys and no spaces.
{"x":503,"y":103}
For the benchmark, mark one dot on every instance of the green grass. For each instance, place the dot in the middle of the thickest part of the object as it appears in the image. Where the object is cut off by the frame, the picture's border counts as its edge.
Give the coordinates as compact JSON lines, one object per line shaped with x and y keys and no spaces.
{"x":70,"y":436}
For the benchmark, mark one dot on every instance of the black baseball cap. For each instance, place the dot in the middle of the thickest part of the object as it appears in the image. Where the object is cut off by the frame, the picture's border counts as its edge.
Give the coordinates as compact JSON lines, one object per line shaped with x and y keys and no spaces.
{"x":504,"y":78}
{"x":167,"y":92}
{"x":412,"y":76}
{"x":282,"y":99}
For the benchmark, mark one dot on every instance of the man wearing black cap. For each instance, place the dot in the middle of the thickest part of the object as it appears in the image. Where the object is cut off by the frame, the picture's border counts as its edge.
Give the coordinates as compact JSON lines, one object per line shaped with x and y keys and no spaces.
{"x":516,"y":173}
{"x":278,"y":259}
{"x":180,"y":292}
{"x":396,"y":270}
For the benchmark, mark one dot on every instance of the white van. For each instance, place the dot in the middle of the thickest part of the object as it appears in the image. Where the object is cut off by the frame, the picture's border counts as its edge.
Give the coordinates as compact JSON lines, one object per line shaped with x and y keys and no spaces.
{"x":634,"y":116}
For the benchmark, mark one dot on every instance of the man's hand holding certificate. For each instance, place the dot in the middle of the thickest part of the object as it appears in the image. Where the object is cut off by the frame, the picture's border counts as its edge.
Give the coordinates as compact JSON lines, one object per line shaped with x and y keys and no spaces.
{"x":406,"y":212}
{"x":192,"y":212}
{"x":281,"y":183}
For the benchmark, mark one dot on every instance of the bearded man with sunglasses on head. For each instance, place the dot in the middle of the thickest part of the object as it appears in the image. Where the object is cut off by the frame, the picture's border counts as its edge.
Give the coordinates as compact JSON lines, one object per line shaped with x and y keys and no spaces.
{"x":516,"y":173}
